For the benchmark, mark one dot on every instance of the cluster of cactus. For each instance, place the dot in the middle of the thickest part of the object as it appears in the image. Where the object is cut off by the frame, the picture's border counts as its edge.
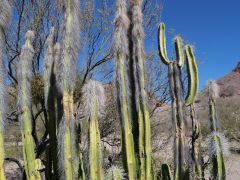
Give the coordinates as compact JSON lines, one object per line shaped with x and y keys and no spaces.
{"x":64,"y":156}
{"x":176,"y":91}
{"x":131,"y":90}
{"x":181,"y":171}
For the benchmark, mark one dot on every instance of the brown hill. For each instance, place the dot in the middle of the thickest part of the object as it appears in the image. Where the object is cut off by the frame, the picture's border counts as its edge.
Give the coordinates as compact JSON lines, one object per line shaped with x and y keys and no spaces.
{"x":229,"y":85}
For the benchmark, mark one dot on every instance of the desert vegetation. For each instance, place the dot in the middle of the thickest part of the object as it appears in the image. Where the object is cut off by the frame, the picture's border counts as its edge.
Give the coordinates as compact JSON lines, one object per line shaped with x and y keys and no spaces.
{"x":82,"y":98}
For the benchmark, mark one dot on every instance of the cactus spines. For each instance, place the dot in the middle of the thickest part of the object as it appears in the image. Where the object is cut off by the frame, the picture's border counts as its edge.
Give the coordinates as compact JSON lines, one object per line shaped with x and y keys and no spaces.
{"x":192,"y":76}
{"x":166,"y":173}
{"x":115,"y":173}
{"x":138,"y":58}
{"x":94,"y":105}
{"x":162,"y":44}
{"x":217,"y":145}
{"x":120,"y":43}
{"x":4,"y":18}
{"x":66,"y":77}
{"x":24,"y":104}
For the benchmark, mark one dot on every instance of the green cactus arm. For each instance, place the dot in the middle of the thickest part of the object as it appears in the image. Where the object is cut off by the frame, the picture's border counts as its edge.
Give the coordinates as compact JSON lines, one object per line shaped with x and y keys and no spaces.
{"x":162,"y":44}
{"x":179,"y":51}
{"x":193,"y":81}
{"x":166,"y":173}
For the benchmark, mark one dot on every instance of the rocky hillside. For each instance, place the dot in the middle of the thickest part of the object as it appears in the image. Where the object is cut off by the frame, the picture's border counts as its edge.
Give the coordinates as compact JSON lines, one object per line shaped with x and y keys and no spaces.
{"x":229,"y":85}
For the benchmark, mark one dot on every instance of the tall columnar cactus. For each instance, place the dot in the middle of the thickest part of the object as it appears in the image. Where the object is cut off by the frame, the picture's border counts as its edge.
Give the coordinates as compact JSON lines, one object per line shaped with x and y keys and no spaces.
{"x":50,"y":103}
{"x":176,"y":95}
{"x":4,"y":18}
{"x":94,"y":106}
{"x":121,"y":53}
{"x":137,"y":60}
{"x":24,"y":104}
{"x":192,"y":72}
{"x":115,"y":173}
{"x":67,"y":133}
{"x":174,"y":68}
{"x":217,"y":144}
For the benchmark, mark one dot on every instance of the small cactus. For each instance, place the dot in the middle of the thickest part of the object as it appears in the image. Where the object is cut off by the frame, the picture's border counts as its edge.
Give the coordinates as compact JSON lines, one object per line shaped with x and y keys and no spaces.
{"x":217,"y":142}
{"x":115,"y":173}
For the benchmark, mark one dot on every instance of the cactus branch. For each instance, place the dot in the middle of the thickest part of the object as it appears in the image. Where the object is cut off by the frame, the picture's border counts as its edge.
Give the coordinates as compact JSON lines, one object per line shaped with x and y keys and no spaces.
{"x":192,"y":76}
{"x":162,"y":44}
{"x":179,"y":51}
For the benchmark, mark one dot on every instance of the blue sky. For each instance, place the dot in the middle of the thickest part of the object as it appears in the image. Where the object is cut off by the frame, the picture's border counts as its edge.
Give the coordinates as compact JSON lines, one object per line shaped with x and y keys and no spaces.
{"x":212,"y":26}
